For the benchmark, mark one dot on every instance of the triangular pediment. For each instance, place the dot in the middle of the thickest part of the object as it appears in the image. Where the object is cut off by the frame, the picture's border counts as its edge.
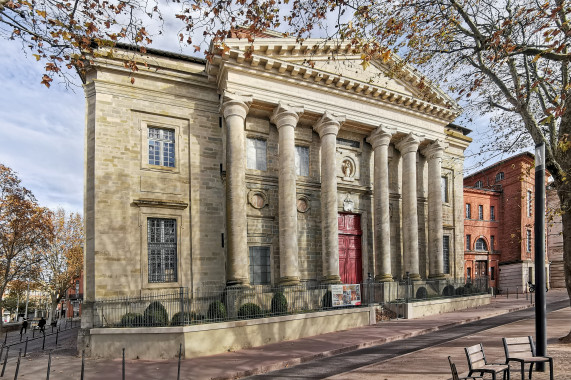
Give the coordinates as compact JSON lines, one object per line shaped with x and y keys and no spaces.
{"x":334,"y":60}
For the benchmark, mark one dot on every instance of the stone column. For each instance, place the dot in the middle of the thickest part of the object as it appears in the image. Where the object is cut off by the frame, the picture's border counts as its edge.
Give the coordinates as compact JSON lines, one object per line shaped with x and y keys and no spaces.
{"x":285,"y":118}
{"x":408,"y":147}
{"x":434,"y":153}
{"x":327,"y":127}
{"x":380,"y":139}
{"x":235,"y":108}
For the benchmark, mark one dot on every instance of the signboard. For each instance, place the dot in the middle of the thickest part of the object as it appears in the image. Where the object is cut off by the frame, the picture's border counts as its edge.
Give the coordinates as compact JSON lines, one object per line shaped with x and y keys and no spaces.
{"x":346,"y":295}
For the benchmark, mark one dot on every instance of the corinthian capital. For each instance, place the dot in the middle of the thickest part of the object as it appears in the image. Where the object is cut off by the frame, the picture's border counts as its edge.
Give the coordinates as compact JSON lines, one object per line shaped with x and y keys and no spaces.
{"x":434,"y":150}
{"x":286,"y":114}
{"x":408,"y":144}
{"x":233,"y":104}
{"x":380,"y":136}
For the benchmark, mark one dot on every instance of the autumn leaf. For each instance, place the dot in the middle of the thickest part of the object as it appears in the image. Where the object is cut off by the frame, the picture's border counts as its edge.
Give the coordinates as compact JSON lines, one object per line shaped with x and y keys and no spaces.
{"x":46,"y":80}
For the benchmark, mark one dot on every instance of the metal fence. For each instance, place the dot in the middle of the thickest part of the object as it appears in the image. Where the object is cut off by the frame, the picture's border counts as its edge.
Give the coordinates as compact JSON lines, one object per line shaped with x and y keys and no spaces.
{"x":219,"y":304}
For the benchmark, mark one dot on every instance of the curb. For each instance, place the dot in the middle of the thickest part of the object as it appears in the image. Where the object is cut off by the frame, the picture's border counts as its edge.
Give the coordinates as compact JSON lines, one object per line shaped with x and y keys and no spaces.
{"x":304,"y":359}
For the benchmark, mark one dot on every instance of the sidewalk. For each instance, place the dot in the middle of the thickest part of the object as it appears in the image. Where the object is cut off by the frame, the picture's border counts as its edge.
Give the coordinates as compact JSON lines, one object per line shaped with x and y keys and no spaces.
{"x":234,"y":365}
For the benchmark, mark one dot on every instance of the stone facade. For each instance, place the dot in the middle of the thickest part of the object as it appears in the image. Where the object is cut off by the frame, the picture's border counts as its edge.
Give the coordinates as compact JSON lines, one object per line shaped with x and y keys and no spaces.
{"x":554,"y":248}
{"x":383,"y":157}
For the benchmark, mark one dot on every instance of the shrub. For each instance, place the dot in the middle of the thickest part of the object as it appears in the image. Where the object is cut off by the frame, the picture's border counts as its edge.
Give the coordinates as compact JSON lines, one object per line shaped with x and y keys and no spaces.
{"x":156,"y":314}
{"x":249,"y":310}
{"x":216,"y":310}
{"x":421,"y":293}
{"x":131,"y":320}
{"x":448,"y":291}
{"x":181,"y":319}
{"x":279,"y":303}
{"x":327,"y":300}
{"x":460,"y":291}
{"x":469,"y":288}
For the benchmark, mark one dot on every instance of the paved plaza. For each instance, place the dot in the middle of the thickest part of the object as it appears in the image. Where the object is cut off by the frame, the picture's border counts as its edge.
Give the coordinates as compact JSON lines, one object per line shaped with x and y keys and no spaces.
{"x":425,"y":363}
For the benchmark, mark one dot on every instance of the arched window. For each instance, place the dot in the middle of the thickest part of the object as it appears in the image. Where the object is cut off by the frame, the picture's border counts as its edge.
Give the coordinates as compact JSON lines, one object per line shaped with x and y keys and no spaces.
{"x":478,"y":185}
{"x":499,"y":176}
{"x":481,"y":245}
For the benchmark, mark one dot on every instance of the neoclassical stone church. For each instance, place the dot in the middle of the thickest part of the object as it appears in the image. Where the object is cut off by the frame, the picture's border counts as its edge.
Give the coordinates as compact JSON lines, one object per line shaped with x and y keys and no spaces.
{"x":280,"y":164}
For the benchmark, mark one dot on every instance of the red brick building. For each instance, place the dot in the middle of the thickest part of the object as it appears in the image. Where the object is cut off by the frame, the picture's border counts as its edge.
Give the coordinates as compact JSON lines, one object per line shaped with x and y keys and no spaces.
{"x":499,"y":222}
{"x":70,"y":306}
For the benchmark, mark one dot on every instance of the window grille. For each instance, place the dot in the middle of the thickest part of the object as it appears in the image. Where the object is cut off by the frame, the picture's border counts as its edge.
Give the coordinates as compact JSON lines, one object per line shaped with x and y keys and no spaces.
{"x":162,"y":250}
{"x":529,"y":203}
{"x":260,"y":266}
{"x":256,"y":151}
{"x":444,"y":186}
{"x":492,"y":243}
{"x":468,"y":211}
{"x":446,"y":253}
{"x":499,"y":176}
{"x":481,"y":245}
{"x":528,"y":236}
{"x":161,"y":147}
{"x":468,"y":238}
{"x":492,"y":213}
{"x":302,"y":160}
{"x":478,"y":184}
{"x":480,"y":212}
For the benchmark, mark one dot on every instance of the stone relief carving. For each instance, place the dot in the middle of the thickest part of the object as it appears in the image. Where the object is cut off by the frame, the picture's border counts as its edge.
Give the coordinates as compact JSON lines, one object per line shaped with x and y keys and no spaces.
{"x":303,"y":204}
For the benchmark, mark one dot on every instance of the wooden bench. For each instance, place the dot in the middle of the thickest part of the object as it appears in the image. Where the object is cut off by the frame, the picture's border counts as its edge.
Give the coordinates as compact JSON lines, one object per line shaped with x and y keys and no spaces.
{"x":455,"y":375}
{"x":477,"y":363}
{"x":522,"y":350}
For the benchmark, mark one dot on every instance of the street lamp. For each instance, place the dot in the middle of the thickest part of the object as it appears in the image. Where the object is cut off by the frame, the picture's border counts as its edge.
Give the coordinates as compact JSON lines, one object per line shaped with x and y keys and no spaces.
{"x":540,"y":306}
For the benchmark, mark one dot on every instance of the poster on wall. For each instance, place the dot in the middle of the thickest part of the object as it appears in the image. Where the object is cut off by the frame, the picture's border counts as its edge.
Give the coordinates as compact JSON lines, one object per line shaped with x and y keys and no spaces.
{"x":346,"y":295}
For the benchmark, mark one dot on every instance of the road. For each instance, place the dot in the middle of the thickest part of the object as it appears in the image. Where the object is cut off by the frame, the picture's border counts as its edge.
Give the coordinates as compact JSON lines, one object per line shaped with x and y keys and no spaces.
{"x":354,"y":360}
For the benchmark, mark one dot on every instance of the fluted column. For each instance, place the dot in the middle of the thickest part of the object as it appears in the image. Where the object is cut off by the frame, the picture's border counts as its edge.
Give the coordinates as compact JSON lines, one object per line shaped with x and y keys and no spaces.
{"x":285,"y":118}
{"x":380,"y":139}
{"x":434,"y":153}
{"x":235,"y":108}
{"x":327,"y":127}
{"x":408,"y":147}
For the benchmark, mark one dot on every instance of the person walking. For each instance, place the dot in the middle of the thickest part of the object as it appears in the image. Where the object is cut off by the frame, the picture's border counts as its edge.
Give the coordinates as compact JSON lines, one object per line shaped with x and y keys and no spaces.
{"x":42,"y":325}
{"x":24,"y":328}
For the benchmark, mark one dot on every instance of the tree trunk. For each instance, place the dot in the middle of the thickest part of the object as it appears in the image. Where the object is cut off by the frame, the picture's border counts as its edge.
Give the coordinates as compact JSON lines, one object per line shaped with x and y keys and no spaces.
{"x":564,"y":192}
{"x":53,"y":306}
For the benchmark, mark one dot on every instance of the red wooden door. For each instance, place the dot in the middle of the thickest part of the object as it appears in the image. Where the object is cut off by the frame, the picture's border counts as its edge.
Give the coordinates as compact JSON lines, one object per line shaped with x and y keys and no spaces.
{"x":350,"y":258}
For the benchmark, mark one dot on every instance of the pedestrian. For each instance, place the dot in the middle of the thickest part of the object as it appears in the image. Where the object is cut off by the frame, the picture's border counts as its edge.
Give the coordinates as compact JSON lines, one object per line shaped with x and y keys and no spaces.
{"x":42,"y":325}
{"x":24,"y":328}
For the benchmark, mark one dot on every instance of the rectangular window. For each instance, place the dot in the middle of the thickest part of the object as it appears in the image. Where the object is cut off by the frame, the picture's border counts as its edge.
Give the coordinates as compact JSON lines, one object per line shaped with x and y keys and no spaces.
{"x":529,"y":203}
{"x":161,"y":147}
{"x":468,"y":274}
{"x":256,"y":151}
{"x":468,"y":238}
{"x":492,"y":213}
{"x":492,"y":243}
{"x":468,"y":211}
{"x":444,"y":185}
{"x":492,"y":273}
{"x":260,"y":266}
{"x":480,"y":212}
{"x":446,"y":253}
{"x":161,"y":244}
{"x":302,"y":160}
{"x":528,"y":236}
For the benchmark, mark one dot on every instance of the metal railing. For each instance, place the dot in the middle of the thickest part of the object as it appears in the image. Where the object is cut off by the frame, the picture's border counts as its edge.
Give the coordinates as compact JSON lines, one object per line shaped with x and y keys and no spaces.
{"x":218,"y":304}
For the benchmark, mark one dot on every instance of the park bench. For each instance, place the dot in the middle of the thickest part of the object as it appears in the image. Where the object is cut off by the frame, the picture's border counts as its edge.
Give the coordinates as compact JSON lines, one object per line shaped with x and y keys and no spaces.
{"x":477,"y":363}
{"x":522,"y":350}
{"x":455,"y":375}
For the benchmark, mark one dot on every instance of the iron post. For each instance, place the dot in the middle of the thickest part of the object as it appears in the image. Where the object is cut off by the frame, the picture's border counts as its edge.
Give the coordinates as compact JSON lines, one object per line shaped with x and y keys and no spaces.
{"x":540,"y":306}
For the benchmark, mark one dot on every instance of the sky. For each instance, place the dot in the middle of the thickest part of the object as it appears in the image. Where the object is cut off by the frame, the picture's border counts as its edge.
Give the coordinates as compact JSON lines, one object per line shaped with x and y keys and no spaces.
{"x":42,"y":130}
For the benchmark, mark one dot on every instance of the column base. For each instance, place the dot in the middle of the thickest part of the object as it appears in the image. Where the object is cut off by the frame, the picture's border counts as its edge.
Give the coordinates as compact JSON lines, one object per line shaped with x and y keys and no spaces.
{"x":440,"y":276}
{"x":289,"y":281}
{"x":387,"y":277}
{"x":236,"y":283}
{"x":331,"y":280}
{"x":415,"y":277}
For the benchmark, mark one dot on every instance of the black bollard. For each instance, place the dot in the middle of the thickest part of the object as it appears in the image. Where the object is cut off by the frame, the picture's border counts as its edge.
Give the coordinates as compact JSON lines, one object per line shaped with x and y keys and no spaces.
{"x":49,"y":365}
{"x":5,"y":338}
{"x":18,"y":365}
{"x":179,"y":355}
{"x":26,"y":347}
{"x":5,"y":361}
{"x":82,"y":363}
{"x":57,"y":335}
{"x":33,"y":333}
{"x":123,"y":368}
{"x":44,"y":342}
